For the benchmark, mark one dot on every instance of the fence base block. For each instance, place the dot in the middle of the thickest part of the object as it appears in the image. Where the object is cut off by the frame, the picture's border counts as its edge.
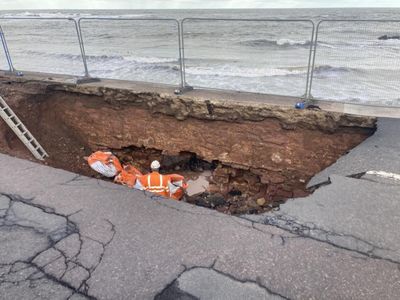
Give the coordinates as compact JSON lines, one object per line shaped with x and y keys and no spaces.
{"x":81,"y":80}
{"x":183,"y":90}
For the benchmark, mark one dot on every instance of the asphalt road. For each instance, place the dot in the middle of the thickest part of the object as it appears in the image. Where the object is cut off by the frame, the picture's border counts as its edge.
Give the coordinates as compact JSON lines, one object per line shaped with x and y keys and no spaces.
{"x":65,"y":236}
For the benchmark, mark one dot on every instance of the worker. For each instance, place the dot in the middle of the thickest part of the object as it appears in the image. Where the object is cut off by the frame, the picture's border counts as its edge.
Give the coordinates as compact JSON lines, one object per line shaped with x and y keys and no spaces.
{"x":171,"y":185}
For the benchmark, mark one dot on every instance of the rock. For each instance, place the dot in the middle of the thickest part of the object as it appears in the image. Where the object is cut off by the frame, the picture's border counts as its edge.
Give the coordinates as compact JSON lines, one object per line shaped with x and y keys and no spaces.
{"x":207,"y":200}
{"x":172,"y":161}
{"x":386,"y":37}
{"x":261,"y":201}
{"x":220,"y":179}
{"x":216,"y":200}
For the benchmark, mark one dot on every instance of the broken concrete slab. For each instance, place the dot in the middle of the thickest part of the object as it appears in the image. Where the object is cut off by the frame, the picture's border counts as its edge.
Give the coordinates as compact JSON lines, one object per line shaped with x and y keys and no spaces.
{"x":206,"y":283}
{"x":355,"y":214}
{"x":147,"y":242}
{"x":380,"y":152}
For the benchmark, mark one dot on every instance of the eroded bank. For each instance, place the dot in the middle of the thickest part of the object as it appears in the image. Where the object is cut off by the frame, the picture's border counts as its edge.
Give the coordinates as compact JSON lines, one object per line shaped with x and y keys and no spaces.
{"x":253,"y":151}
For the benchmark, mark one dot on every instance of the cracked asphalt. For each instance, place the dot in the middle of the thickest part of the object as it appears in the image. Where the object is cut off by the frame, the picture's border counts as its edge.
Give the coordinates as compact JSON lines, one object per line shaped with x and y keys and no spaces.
{"x":65,"y":236}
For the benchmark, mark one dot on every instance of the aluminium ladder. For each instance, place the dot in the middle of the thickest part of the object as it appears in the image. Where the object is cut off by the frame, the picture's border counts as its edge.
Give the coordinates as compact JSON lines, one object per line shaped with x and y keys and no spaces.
{"x":21,"y":131}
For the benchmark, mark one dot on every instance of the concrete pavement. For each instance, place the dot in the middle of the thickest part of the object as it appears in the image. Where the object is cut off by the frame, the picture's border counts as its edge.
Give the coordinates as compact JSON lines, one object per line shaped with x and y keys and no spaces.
{"x":373,"y":109}
{"x":65,"y":236}
{"x":381,"y":151}
{"x":353,"y":208}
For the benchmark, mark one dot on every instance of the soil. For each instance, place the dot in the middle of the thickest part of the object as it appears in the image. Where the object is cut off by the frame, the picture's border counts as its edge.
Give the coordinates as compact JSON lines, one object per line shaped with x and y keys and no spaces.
{"x":258,"y":155}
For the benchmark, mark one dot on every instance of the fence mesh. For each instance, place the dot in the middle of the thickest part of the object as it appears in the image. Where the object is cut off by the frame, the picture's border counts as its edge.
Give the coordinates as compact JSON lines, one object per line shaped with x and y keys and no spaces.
{"x":358,"y":62}
{"x":140,"y":50}
{"x":43,"y":45}
{"x":255,"y":56}
{"x":3,"y":59}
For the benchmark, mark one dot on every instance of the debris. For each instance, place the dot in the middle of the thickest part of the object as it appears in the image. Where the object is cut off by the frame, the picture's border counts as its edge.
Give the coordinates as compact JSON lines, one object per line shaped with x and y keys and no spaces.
{"x":207,"y":200}
{"x":300,"y":105}
{"x":261,"y":201}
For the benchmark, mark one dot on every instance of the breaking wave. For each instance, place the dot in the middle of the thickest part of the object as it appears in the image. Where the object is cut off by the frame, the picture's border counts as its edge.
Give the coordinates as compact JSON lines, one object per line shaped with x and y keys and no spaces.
{"x":284,"y":43}
{"x":106,"y":58}
{"x":66,"y":15}
{"x":118,"y":62}
{"x":237,"y":71}
{"x":329,"y":70}
{"x":279,"y":43}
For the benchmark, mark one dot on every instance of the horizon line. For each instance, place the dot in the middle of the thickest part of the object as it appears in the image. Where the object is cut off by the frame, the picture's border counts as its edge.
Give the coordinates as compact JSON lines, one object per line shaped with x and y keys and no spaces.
{"x":247,"y":8}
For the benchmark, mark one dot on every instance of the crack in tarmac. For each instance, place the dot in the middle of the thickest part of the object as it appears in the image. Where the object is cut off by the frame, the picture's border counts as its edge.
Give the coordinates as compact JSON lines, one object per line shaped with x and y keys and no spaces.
{"x":10,"y":220}
{"x":297,"y":229}
{"x":313,"y":232}
{"x":173,"y":287}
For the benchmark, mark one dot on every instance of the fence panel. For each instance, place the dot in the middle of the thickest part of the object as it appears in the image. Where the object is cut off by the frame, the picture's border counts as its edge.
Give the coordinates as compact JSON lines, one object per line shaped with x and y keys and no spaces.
{"x":132,"y":49}
{"x":4,"y":65}
{"x":357,"y":61}
{"x":265,"y":56}
{"x":49,"y":45}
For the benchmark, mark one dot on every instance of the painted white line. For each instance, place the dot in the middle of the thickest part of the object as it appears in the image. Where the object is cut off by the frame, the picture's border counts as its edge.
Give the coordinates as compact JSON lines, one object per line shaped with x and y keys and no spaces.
{"x":384,"y":174}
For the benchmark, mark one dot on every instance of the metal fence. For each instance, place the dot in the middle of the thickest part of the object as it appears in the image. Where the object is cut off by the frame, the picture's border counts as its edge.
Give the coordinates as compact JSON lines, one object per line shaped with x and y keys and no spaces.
{"x":6,"y":59}
{"x":122,"y":52}
{"x":341,"y":60}
{"x":357,"y":61}
{"x":277,"y":61}
{"x":56,"y":38}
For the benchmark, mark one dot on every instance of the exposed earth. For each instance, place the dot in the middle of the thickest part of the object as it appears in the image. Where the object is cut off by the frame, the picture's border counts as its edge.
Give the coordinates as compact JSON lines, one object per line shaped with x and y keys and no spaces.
{"x":258,"y":154}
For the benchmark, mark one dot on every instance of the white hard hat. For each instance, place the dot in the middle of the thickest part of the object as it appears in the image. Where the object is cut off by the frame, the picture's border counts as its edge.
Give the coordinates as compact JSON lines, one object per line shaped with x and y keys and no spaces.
{"x":155,"y":165}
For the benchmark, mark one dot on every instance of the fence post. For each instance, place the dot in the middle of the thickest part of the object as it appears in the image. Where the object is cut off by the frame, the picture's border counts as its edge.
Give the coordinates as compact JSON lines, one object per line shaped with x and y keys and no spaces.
{"x":309,"y":68}
{"x":310,"y":97}
{"x":181,"y":55}
{"x":184,"y":86}
{"x":81,"y":45}
{"x":6,"y":51}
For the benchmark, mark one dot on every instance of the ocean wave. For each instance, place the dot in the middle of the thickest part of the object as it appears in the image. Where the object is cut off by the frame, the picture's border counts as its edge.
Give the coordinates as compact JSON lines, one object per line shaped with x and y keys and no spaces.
{"x":67,"y":15}
{"x":330,"y":70}
{"x":288,"y":42}
{"x":389,"y":42}
{"x":104,"y":58}
{"x":44,"y":15}
{"x":280,"y":43}
{"x":119,"y":62}
{"x":236,"y":71}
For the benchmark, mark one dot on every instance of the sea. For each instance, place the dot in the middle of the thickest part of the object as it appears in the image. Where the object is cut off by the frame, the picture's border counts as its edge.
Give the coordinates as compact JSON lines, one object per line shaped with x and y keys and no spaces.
{"x":355,"y":61}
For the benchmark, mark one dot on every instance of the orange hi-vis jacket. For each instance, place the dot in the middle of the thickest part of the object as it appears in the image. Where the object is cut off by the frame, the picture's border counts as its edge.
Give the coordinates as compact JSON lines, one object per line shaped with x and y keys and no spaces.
{"x":170,"y":185}
{"x":155,"y":183}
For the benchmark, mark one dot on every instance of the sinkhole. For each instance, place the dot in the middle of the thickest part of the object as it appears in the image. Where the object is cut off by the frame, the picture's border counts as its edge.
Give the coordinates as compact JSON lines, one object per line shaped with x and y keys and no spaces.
{"x":238,"y":157}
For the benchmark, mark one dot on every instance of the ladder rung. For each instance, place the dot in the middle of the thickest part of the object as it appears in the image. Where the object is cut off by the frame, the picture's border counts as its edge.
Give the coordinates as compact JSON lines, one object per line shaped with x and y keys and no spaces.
{"x":21,"y":131}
